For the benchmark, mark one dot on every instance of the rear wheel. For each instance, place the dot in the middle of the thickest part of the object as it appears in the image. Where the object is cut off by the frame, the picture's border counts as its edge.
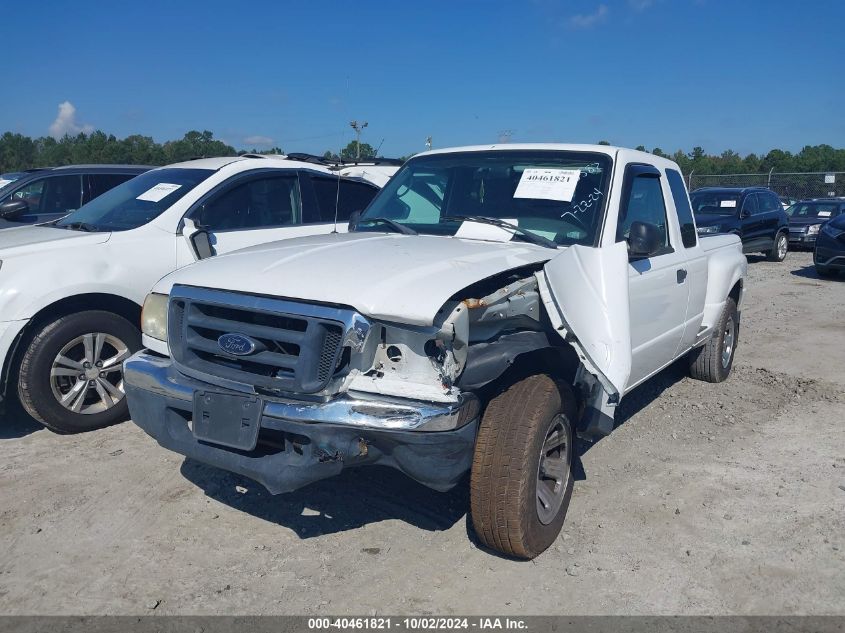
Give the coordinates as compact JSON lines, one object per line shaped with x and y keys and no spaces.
{"x":71,"y":374}
{"x":713,"y":361}
{"x":779,"y":248}
{"x":521,"y":479}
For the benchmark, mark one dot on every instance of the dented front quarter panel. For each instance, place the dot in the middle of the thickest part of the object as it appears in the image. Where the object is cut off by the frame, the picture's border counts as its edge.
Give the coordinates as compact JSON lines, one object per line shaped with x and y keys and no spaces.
{"x":585,"y":294}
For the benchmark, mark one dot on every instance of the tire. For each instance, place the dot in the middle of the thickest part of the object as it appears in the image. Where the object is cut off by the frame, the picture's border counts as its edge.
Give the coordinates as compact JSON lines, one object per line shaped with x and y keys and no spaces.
{"x":518,"y":424}
{"x":779,"y":248}
{"x":72,"y":336}
{"x":824,"y":271}
{"x":713,"y":361}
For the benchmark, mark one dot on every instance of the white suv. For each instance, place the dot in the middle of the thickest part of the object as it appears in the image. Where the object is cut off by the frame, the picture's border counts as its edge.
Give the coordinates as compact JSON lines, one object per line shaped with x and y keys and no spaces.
{"x":71,"y":291}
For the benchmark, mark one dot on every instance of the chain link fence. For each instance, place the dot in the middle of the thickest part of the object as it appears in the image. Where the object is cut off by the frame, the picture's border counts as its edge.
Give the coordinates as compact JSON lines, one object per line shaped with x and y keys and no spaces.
{"x":796,"y":186}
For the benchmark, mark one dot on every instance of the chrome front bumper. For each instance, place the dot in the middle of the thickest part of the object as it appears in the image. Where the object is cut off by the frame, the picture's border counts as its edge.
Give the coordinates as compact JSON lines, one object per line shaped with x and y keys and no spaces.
{"x":301,"y":442}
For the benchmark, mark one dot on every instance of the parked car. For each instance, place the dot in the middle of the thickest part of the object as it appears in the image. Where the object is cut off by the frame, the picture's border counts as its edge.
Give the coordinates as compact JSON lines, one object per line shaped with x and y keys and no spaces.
{"x":72,"y":290}
{"x":753,"y":213}
{"x":42,"y":195}
{"x":11,"y":176}
{"x":786,"y":202}
{"x":829,"y":251}
{"x":808,"y":216}
{"x":490,"y":303}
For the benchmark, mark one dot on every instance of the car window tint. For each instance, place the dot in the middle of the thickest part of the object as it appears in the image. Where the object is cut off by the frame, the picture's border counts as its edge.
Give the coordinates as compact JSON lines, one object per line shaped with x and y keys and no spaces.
{"x":56,"y":194}
{"x":750,"y":205}
{"x":259,"y":203}
{"x":645,"y":204}
{"x":768,"y":202}
{"x":352,"y":196}
{"x":100,"y":183}
{"x":682,"y":207}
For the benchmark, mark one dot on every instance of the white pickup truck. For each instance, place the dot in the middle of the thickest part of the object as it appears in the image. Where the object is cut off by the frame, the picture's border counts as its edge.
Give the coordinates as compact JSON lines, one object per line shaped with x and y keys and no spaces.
{"x":71,"y":290}
{"x":490,"y":303}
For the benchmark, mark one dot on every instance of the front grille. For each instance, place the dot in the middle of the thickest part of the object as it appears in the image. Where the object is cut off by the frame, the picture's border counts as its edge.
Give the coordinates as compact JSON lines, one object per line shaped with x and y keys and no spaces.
{"x":294,"y":352}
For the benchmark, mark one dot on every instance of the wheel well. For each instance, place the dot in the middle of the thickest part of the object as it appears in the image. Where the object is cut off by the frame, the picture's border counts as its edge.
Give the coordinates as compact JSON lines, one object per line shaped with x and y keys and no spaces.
{"x":736,"y":291}
{"x":121,"y":306}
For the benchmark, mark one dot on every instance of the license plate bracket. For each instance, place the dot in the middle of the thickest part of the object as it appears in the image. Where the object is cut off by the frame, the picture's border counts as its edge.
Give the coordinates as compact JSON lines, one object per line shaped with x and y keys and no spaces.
{"x":230,"y":420}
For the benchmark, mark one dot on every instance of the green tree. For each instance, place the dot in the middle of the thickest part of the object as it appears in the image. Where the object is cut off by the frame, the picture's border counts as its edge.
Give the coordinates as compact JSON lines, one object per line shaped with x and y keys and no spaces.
{"x":351,"y":152}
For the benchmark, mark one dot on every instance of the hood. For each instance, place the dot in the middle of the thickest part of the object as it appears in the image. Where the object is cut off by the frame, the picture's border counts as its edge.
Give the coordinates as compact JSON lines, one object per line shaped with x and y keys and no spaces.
{"x":27,"y":239}
{"x":709,"y":219}
{"x":392,"y":277}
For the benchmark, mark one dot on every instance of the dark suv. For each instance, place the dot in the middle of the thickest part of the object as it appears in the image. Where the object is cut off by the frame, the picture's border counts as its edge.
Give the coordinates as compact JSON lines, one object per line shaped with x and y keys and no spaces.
{"x":807,"y":216}
{"x":41,"y":195}
{"x":754,"y":214}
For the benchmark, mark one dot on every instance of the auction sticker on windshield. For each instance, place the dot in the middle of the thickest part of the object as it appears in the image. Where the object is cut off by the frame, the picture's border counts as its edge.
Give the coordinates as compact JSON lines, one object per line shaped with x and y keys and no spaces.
{"x":160,"y":191}
{"x":727,"y":203}
{"x":548,"y":184}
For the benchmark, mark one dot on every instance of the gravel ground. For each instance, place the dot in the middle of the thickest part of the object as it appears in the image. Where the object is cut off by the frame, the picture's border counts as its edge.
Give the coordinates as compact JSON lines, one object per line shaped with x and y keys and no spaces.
{"x":707,"y":499}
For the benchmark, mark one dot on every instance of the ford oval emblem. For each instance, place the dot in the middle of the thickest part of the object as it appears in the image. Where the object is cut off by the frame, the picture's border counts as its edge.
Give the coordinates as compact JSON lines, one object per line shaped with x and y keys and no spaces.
{"x":237,"y":344}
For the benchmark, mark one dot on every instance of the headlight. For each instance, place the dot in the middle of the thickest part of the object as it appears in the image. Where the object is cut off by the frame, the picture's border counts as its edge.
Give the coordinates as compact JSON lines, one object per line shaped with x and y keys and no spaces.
{"x":154,"y":316}
{"x":812,"y":230}
{"x":703,"y":230}
{"x":832,"y":231}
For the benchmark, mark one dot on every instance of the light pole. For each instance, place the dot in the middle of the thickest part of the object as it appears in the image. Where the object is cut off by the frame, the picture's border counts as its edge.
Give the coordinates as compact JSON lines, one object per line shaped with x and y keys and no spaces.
{"x":355,"y":125}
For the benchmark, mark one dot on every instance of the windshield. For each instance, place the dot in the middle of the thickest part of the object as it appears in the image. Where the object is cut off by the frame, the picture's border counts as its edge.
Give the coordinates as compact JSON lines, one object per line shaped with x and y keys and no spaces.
{"x":558,"y":195}
{"x":811,"y":210}
{"x":715,"y":202}
{"x":137,"y":201}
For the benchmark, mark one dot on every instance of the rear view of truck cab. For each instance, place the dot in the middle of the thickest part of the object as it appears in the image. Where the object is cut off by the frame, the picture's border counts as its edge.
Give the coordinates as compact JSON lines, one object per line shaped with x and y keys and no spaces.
{"x":491,"y":303}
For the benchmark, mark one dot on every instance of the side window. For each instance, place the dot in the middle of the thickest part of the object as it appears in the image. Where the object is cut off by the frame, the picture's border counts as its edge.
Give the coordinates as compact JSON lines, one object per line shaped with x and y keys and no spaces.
{"x":644,"y":204}
{"x":55,"y":194}
{"x":682,"y":206}
{"x":750,"y":205}
{"x":354,"y":196}
{"x":768,"y":202}
{"x":259,"y":203}
{"x":100,"y":183}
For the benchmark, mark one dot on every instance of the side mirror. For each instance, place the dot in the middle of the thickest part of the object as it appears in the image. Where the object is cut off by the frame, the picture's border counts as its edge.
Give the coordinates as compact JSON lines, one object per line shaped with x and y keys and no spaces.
{"x":199,"y":238}
{"x":745,"y":213}
{"x":643,"y":239}
{"x":354,"y":218}
{"x":13,"y":208}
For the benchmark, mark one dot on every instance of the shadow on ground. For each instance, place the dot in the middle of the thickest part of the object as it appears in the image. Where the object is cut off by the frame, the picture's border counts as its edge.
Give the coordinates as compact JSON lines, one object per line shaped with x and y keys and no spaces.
{"x":16,"y":423}
{"x":354,"y":498}
{"x":809,"y":272}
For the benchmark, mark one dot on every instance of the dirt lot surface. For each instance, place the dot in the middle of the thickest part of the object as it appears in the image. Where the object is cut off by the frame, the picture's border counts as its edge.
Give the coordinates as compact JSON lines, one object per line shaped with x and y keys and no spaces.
{"x":707,"y":498}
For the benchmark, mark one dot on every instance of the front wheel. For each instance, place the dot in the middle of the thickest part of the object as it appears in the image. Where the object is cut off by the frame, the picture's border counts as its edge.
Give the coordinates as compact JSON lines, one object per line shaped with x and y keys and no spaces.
{"x":779,"y":248}
{"x":71,"y":373}
{"x":521,"y":479}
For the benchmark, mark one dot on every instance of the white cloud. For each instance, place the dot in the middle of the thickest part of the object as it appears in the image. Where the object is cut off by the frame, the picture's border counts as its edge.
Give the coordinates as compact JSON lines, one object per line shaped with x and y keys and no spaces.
{"x":259,"y":141}
{"x":640,"y":5}
{"x":588,"y":20}
{"x":65,"y":122}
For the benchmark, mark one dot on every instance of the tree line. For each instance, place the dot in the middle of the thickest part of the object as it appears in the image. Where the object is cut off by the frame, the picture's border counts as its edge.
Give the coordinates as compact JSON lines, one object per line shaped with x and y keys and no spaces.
{"x":22,"y":152}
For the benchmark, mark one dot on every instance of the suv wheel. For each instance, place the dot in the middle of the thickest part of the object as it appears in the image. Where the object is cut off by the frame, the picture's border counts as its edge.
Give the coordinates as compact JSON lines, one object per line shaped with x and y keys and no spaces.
{"x":779,"y":248}
{"x":71,"y":374}
{"x":521,"y":479}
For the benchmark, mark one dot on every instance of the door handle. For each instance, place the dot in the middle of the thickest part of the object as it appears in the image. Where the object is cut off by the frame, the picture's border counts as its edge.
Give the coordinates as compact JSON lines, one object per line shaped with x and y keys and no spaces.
{"x":682,"y":275}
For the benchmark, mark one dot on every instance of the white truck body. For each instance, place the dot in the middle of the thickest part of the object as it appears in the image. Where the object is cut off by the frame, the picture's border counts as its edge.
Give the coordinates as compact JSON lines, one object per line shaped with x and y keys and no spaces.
{"x":434,"y":320}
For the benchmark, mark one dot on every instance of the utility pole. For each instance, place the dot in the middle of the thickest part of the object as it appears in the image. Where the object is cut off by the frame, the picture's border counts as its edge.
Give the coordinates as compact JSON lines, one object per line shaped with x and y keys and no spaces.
{"x":355,"y":125}
{"x":428,"y":143}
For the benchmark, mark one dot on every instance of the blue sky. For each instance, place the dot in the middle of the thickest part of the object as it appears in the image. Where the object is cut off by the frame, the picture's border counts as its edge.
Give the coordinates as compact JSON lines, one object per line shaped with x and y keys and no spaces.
{"x":747,"y":75}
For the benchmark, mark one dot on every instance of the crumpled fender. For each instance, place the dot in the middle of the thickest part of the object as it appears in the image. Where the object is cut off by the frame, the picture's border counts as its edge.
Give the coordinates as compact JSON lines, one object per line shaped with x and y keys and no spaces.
{"x":585,"y":292}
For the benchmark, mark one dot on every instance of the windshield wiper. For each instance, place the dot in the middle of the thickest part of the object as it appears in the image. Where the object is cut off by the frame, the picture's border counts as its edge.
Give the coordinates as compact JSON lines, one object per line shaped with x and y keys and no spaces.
{"x":539,"y":240}
{"x":399,"y":228}
{"x":81,"y":226}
